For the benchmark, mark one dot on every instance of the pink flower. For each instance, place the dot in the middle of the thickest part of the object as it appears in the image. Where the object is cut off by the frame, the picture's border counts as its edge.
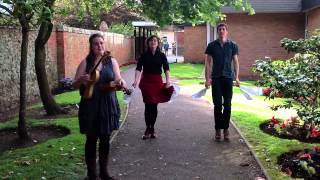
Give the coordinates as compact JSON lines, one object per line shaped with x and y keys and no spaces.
{"x":314,"y":133}
{"x":274,"y":120}
{"x":306,"y":156}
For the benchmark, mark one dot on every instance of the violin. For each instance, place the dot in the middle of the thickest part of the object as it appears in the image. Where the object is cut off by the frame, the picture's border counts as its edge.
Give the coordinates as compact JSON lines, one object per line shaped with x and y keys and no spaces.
{"x":113,"y":86}
{"x":94,"y":77}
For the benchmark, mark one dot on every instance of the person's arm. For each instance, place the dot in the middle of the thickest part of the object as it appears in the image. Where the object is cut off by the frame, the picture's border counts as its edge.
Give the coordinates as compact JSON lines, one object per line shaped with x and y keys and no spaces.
{"x":208,"y":69}
{"x":168,"y":82}
{"x":166,"y":70}
{"x":137,"y":74}
{"x":236,"y":69}
{"x":81,"y":76}
{"x":118,"y":79}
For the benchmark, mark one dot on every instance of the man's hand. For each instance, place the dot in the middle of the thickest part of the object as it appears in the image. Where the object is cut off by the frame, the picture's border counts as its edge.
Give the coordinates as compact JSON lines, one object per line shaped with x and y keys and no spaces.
{"x":208,"y":83}
{"x":237,"y":82}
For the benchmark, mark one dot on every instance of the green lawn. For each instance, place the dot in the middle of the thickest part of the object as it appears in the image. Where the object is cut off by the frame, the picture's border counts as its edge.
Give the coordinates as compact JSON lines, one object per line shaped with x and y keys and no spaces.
{"x":60,"y":158}
{"x":247,"y":115}
{"x":63,"y":158}
{"x":187,"y":71}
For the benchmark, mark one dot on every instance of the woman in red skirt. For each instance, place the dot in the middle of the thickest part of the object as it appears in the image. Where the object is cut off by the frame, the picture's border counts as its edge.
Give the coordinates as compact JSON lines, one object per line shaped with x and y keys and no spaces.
{"x":154,"y":91}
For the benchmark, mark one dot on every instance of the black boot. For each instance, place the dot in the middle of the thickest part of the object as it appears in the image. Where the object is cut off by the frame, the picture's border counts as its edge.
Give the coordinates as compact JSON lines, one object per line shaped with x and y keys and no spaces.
{"x":104,"y":159}
{"x":91,"y":169}
{"x":152,"y":133}
{"x":90,"y":157}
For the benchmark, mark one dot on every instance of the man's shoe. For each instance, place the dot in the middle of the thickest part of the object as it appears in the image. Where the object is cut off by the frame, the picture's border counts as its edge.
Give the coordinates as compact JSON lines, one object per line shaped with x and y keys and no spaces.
{"x":226,"y":134}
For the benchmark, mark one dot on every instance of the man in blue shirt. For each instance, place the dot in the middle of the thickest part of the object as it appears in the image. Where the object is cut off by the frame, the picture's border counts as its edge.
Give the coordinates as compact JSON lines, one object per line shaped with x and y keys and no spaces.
{"x":221,"y":66}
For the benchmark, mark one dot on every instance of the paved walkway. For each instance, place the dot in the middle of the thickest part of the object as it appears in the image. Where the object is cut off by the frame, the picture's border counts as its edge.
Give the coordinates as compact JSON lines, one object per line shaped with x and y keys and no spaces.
{"x":184,"y":148}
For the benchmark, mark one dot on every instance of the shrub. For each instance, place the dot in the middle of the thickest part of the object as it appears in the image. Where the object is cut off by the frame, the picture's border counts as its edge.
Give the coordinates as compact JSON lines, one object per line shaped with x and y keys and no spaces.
{"x":297,"y":78}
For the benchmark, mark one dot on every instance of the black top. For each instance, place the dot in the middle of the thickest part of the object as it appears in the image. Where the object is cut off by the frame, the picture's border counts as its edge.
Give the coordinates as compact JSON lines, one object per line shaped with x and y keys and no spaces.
{"x":222,"y":58}
{"x":153,"y":63}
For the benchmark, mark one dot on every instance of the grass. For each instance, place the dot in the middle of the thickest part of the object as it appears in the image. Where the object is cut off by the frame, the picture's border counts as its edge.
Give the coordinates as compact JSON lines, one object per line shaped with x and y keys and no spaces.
{"x":248,"y":115}
{"x":62,"y":158}
{"x":187,"y":71}
{"x":59,"y":158}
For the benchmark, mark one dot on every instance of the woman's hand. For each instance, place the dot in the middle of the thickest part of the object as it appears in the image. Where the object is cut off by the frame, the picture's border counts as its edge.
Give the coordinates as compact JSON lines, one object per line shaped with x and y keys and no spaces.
{"x":84,"y":79}
{"x":168,"y":84}
{"x":123,"y":83}
{"x":134,"y":84}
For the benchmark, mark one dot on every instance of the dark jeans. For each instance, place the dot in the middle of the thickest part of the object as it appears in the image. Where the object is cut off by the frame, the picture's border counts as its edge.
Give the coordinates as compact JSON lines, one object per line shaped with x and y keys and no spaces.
{"x":222,"y":96}
{"x":150,"y":114}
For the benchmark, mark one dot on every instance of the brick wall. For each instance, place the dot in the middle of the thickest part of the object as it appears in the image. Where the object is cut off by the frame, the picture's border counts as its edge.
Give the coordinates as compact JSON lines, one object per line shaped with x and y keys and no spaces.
{"x":259,"y":36}
{"x":313,"y":17}
{"x":10,"y":42}
{"x":73,"y":46}
{"x":65,"y":49}
{"x":180,"y":42}
{"x":195,"y":42}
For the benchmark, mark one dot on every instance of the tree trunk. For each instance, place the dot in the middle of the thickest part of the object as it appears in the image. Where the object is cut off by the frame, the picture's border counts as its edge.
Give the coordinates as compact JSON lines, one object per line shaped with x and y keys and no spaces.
{"x":51,"y":107}
{"x":22,"y":128}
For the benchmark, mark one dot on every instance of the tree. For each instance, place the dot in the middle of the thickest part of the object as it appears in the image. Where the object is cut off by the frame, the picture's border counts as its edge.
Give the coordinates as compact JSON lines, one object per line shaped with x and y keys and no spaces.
{"x":51,"y":107}
{"x":86,"y":13}
{"x":297,"y":78}
{"x":30,"y":14}
{"x":22,"y":11}
{"x":165,"y":12}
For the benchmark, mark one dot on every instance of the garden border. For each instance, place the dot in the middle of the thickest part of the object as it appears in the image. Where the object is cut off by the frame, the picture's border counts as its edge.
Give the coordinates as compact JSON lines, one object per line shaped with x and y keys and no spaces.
{"x":251,"y":150}
{"x":113,"y":136}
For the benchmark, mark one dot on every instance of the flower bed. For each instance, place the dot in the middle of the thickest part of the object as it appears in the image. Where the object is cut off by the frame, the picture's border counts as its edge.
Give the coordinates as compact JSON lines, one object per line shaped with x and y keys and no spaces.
{"x":291,"y":129}
{"x":301,"y":164}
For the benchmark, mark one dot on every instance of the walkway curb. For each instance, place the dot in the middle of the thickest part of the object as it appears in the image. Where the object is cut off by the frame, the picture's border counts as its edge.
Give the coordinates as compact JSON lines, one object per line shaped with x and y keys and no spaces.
{"x":251,"y":150}
{"x":113,"y":136}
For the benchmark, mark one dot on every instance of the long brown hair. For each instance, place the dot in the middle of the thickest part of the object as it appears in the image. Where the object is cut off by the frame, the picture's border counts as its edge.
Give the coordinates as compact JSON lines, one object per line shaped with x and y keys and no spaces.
{"x":91,"y":56}
{"x":150,"y":39}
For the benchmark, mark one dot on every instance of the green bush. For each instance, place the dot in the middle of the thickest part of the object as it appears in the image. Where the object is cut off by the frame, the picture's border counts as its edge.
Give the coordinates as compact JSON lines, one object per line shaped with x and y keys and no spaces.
{"x":125,"y":29}
{"x":297,"y":78}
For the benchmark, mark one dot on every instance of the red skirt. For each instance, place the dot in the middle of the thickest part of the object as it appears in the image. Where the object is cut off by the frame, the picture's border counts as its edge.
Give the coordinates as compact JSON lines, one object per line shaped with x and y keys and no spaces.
{"x":153,"y":89}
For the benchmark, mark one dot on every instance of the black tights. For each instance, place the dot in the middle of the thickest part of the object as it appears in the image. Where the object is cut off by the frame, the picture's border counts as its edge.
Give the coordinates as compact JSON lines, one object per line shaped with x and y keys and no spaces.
{"x":91,"y":145}
{"x":150,"y":114}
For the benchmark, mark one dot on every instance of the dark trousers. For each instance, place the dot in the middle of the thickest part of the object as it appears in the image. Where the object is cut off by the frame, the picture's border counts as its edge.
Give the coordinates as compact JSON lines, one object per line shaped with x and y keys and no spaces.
{"x":150,"y":114}
{"x":222,"y":96}
{"x":90,"y":152}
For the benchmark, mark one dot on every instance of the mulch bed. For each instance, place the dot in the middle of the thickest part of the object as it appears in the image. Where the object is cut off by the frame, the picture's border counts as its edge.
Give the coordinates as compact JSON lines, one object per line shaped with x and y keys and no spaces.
{"x":290,"y":164}
{"x":297,"y":133}
{"x":9,"y":139}
{"x":39,"y":113}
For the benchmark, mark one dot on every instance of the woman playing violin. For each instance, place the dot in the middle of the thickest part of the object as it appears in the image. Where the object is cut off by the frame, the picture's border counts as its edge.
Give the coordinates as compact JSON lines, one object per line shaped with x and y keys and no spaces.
{"x":99,"y":114}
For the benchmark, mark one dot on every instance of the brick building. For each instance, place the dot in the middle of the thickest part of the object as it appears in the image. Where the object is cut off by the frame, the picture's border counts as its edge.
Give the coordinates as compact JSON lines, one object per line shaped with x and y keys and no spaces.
{"x":259,"y":35}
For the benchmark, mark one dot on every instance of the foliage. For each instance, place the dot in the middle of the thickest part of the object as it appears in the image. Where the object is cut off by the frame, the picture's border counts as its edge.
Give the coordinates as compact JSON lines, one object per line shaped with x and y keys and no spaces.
{"x":193,"y":11}
{"x":126,"y":29}
{"x":297,"y":78}
{"x":33,"y":11}
{"x":83,"y":9}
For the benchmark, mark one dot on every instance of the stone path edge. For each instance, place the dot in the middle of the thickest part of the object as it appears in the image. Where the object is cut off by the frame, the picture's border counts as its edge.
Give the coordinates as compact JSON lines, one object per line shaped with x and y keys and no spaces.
{"x":251,"y":150}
